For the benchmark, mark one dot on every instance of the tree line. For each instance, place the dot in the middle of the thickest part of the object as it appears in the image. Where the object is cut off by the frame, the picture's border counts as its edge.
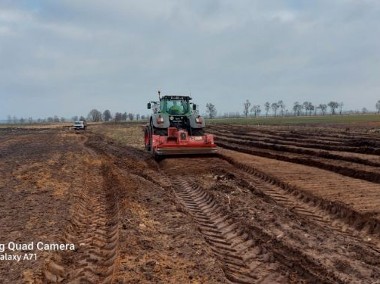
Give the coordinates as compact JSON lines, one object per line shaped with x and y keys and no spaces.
{"x":279,"y":109}
{"x":94,"y":115}
{"x":97,"y":116}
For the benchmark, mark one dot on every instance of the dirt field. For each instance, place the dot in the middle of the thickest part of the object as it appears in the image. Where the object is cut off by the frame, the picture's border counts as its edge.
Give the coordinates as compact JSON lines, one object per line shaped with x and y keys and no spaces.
{"x":276,"y":205}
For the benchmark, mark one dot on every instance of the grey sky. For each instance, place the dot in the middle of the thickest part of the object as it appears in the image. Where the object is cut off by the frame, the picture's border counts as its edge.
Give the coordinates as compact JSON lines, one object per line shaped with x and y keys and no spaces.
{"x":66,"y":57}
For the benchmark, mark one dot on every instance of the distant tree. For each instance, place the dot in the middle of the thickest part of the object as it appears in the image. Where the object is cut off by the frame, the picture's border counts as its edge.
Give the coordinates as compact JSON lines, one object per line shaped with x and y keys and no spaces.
{"x":211,"y":110}
{"x":256,"y":110}
{"x":340,"y":108}
{"x":62,"y":119}
{"x":14,"y":119}
{"x":130,"y":116}
{"x":124,"y":116}
{"x":364,"y":110}
{"x":309,"y":107}
{"x":75,"y":118}
{"x":56,"y":118}
{"x":267,"y":107}
{"x":297,"y":108}
{"x":281,"y":105}
{"x":333,"y":106}
{"x":142,"y":117}
{"x":138,"y":116}
{"x":95,"y":115}
{"x":378,"y":106}
{"x":9,"y":119}
{"x":118,"y":116}
{"x":246,"y":105}
{"x":323,"y":108}
{"x":22,"y":120}
{"x":275,"y":107}
{"x":107,"y":115}
{"x":82,"y":118}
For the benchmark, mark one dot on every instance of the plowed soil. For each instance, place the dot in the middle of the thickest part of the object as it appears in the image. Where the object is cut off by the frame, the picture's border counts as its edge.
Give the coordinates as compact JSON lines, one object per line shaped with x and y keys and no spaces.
{"x":275,"y":205}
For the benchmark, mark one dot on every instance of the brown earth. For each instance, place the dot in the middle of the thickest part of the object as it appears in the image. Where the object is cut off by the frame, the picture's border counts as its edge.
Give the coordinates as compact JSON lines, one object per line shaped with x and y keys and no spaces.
{"x":276,"y":205}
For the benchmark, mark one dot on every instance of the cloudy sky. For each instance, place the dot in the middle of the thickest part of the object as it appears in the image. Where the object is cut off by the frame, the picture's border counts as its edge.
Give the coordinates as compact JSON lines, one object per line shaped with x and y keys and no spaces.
{"x":67,"y":57}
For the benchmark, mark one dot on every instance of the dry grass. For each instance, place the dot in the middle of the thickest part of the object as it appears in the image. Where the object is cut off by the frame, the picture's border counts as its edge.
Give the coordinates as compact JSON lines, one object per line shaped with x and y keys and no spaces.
{"x":127,"y":134}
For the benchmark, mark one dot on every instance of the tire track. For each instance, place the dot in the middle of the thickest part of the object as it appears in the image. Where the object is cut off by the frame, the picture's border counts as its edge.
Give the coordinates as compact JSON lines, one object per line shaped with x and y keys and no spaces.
{"x":240,"y":258}
{"x":94,"y":228}
{"x":336,"y":216}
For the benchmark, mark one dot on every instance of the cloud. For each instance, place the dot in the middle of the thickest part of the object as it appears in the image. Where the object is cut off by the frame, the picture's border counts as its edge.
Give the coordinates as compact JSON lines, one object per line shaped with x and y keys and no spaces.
{"x":116,"y":54}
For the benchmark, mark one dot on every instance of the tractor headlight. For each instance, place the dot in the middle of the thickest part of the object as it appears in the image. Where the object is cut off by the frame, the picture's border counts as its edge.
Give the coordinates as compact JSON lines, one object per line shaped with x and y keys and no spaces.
{"x":198,"y":119}
{"x":171,"y":118}
{"x":160,"y":119}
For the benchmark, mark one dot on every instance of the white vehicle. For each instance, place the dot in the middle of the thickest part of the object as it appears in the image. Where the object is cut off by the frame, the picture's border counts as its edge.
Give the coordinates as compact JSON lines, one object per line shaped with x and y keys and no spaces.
{"x":79,"y":125}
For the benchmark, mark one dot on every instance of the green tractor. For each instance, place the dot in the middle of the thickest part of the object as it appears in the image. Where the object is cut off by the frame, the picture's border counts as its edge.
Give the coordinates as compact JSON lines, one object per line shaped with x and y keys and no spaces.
{"x":175,"y":127}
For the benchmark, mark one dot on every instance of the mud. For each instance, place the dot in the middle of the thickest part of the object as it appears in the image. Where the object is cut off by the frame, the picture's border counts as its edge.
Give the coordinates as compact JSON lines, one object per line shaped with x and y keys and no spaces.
{"x":255,"y":213}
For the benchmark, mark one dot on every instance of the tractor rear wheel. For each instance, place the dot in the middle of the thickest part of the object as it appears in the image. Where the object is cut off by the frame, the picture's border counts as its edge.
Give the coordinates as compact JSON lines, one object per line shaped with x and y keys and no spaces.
{"x":147,"y":138}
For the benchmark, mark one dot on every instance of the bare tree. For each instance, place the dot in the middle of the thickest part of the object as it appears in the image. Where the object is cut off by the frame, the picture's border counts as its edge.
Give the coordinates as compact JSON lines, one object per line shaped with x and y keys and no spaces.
{"x":323,"y":108}
{"x":95,"y":115}
{"x":131,"y":116}
{"x":75,"y":118}
{"x":138,"y":116}
{"x":247,"y":104}
{"x":309,"y":107}
{"x":124,"y":116}
{"x":256,"y":110}
{"x":281,"y":105}
{"x":378,"y":106}
{"x":211,"y":110}
{"x":107,"y":115}
{"x":297,"y":108}
{"x":340,"y":107}
{"x":9,"y":119}
{"x":118,"y":116}
{"x":267,"y":107}
{"x":275,"y":107}
{"x":333,"y":106}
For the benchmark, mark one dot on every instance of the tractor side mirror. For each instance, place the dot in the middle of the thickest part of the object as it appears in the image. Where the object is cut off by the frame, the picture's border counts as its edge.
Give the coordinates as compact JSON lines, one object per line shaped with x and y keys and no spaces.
{"x":194,"y":107}
{"x":149,"y":106}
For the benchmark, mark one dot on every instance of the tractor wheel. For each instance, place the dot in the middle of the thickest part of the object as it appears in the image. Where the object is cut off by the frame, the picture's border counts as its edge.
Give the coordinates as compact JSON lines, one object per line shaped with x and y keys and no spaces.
{"x":147,"y":138}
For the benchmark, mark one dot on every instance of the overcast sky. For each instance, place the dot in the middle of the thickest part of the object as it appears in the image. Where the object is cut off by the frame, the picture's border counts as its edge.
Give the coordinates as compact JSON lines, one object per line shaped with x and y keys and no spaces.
{"x":67,"y":57}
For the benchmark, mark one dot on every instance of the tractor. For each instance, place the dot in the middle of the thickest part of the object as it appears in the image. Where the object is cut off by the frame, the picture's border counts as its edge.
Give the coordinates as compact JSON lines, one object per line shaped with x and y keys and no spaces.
{"x":176,"y":128}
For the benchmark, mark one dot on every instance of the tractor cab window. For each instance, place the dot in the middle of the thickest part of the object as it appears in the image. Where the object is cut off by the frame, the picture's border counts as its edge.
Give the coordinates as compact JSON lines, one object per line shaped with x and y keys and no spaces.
{"x":177,"y":107}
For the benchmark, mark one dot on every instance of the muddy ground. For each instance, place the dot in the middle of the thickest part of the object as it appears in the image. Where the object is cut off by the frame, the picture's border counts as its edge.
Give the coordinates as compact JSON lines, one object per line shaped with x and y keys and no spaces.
{"x":276,"y":205}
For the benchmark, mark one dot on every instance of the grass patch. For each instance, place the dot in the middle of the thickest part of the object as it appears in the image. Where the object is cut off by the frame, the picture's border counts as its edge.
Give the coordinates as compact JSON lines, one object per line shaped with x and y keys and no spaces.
{"x":299,"y":120}
{"x":123,"y":133}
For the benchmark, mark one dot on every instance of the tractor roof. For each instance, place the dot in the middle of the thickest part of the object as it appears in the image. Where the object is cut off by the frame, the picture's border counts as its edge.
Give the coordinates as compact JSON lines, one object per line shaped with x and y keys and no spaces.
{"x":186,"y":98}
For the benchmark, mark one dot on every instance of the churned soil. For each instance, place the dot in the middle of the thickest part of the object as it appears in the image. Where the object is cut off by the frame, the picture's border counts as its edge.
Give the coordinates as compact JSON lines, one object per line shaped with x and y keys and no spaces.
{"x":275,"y":205}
